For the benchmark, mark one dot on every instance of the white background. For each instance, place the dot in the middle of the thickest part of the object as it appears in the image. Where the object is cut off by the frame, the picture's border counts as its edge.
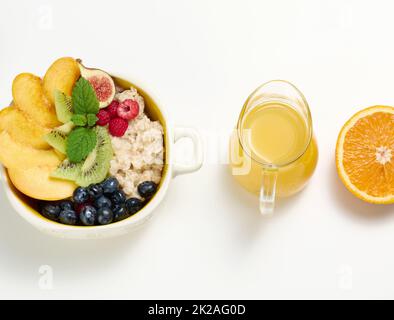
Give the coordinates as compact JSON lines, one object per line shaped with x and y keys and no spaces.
{"x":202,"y":59}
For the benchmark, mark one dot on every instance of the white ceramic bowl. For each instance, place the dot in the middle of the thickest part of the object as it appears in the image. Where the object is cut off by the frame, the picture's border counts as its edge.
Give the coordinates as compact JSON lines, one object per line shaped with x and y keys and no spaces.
{"x":171,"y":170}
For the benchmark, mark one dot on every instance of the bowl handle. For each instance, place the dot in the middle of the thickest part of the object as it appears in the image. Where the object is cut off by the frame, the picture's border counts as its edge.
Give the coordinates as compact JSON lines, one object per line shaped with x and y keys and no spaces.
{"x":192,"y":134}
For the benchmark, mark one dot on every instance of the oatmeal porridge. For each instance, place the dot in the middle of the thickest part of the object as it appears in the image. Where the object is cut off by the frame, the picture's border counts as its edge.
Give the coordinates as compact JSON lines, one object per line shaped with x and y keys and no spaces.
{"x":139,"y":153}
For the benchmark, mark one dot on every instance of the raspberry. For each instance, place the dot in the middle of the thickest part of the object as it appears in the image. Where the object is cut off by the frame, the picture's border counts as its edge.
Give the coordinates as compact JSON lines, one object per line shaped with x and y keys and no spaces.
{"x":118,"y":127}
{"x":113,"y":109}
{"x":103,"y":118}
{"x":128,"y":109}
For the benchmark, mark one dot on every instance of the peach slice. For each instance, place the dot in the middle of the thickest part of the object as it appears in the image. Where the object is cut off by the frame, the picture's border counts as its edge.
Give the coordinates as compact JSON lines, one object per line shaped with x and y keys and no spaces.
{"x":17,"y":155}
{"x":61,"y":75}
{"x":29,"y":97}
{"x":21,"y":129}
{"x":36,"y":183}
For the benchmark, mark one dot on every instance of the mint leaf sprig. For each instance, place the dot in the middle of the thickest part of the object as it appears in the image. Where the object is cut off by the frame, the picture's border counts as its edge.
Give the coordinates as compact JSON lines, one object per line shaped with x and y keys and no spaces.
{"x":79,"y":120}
{"x":91,"y":119}
{"x":84,"y":98}
{"x":83,"y":139}
{"x":80,"y":143}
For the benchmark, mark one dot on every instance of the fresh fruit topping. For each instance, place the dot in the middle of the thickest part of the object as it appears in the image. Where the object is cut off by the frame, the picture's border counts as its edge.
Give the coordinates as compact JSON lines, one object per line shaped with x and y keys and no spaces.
{"x":89,"y":150}
{"x":51,"y":212}
{"x":103,"y":117}
{"x":118,"y":127}
{"x":95,"y":191}
{"x":23,"y":129}
{"x":66,"y":205}
{"x":67,"y":171}
{"x":18,"y":156}
{"x":113,"y":109}
{"x":128,"y":109}
{"x":147,"y":189}
{"x":102,"y":202}
{"x":36,"y":183}
{"x":97,"y":164}
{"x":364,"y":155}
{"x":105,"y":216}
{"x":133,"y":205}
{"x":88,"y":216}
{"x":118,"y":197}
{"x":81,"y":195}
{"x":57,"y":138}
{"x":101,"y":82}
{"x":61,"y":76}
{"x":102,"y":86}
{"x":110,"y":185}
{"x":29,"y":97}
{"x":63,"y":106}
{"x":68,"y":217}
{"x":89,"y":206}
{"x":120,"y":212}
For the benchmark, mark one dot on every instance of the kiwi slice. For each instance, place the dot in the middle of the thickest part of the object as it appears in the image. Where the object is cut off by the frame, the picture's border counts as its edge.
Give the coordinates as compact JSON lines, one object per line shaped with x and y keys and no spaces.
{"x":96,"y":166}
{"x":63,"y":106}
{"x":67,"y":170}
{"x":57,"y":138}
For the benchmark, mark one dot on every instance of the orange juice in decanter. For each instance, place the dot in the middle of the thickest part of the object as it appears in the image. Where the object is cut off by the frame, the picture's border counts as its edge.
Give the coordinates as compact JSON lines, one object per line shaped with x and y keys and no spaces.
{"x":273,"y":152}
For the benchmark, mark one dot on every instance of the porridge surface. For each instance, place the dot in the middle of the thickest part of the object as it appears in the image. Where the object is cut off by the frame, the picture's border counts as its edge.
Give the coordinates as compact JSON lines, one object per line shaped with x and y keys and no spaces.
{"x":139,"y":154}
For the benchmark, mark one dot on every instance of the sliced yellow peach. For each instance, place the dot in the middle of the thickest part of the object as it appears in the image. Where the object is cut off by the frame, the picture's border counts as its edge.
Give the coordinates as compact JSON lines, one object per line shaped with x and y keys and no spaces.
{"x":36,"y":183}
{"x":17,"y":155}
{"x":61,"y":75}
{"x":29,"y":97}
{"x":22,"y":129}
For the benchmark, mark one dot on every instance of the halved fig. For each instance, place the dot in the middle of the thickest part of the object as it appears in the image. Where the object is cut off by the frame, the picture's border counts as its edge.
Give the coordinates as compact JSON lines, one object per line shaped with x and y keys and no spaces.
{"x":102,"y":83}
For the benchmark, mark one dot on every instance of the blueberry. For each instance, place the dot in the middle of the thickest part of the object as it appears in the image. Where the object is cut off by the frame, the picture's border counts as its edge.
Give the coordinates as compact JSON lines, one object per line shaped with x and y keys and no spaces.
{"x":147,"y":189}
{"x":105,"y":215}
{"x":118,"y":197}
{"x":110,"y":185}
{"x":81,"y":195}
{"x":88,"y":215}
{"x":102,"y":202}
{"x":69,"y":217}
{"x":66,"y":205}
{"x":51,"y":212}
{"x":120,"y":212}
{"x":133,"y":205}
{"x":95,"y":191}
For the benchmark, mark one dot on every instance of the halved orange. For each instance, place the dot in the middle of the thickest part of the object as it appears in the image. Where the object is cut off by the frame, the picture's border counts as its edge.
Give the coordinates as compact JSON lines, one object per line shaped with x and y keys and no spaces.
{"x":365,"y":155}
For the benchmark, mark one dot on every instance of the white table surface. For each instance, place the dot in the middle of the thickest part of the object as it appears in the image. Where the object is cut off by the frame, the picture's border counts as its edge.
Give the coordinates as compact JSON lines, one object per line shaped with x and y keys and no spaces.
{"x":202,"y":59}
